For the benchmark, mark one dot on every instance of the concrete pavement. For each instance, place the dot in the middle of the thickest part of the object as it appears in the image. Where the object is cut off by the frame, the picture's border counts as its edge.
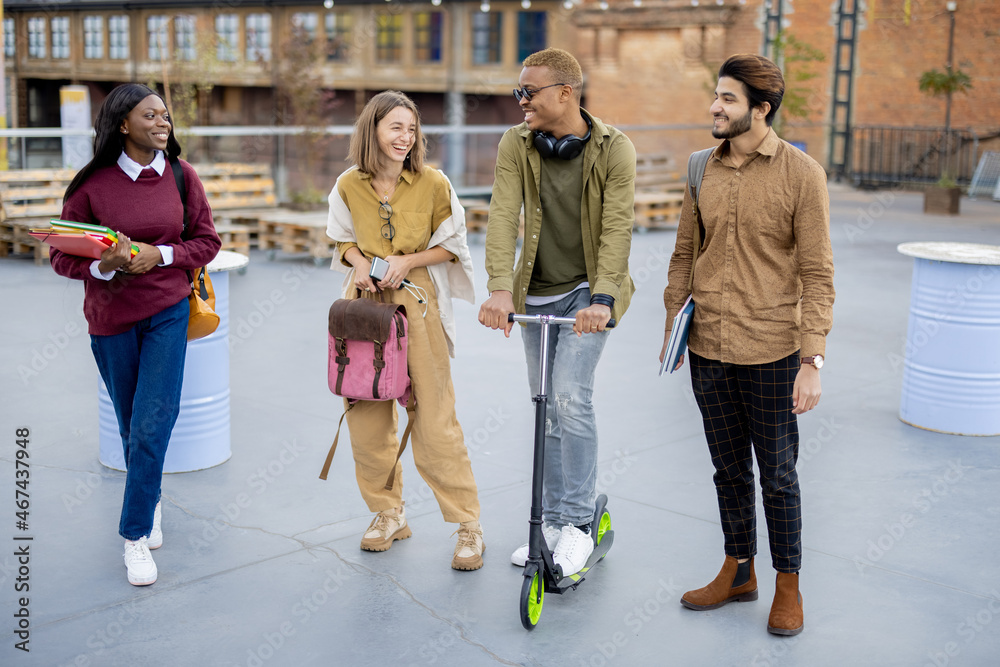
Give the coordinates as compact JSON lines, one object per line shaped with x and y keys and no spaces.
{"x":261,"y":565}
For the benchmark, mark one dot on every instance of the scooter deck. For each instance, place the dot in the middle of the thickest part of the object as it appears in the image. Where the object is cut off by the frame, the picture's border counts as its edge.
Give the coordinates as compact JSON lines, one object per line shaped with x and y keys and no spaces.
{"x":600,"y":551}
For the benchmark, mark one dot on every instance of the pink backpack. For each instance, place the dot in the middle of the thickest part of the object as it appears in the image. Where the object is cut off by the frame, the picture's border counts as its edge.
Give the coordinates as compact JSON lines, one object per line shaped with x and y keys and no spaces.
{"x":367,"y":344}
{"x":367,"y":359}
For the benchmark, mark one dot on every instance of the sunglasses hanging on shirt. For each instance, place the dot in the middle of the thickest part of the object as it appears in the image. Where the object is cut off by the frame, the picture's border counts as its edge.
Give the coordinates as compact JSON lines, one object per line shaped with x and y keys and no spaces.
{"x":385,"y":212}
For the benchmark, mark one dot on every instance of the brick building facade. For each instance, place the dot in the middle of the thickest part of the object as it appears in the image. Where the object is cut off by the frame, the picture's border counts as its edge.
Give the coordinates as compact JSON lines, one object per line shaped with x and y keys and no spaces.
{"x":655,"y":64}
{"x":646,"y":62}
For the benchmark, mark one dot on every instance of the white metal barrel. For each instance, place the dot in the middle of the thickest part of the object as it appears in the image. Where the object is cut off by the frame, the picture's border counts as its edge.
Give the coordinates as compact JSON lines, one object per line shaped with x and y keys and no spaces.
{"x":201,"y":437}
{"x":951,"y":372}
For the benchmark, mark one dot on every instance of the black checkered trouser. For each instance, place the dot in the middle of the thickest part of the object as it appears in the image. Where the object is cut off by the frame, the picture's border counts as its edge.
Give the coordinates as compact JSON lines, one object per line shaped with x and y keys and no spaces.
{"x":744,"y":407}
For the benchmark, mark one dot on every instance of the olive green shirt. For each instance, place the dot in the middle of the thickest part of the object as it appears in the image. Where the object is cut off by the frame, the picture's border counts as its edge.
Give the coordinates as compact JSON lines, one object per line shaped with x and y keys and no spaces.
{"x":559,"y":264}
{"x":763,"y":282}
{"x":607,"y":214}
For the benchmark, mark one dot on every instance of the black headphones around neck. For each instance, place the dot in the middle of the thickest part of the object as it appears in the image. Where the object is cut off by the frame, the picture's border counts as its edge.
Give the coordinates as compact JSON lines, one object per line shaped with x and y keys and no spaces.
{"x":564,"y":148}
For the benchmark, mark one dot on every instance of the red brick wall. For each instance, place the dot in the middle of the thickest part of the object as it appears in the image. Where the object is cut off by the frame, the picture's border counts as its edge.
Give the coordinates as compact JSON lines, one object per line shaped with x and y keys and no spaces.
{"x":893,"y":55}
{"x":642,"y":73}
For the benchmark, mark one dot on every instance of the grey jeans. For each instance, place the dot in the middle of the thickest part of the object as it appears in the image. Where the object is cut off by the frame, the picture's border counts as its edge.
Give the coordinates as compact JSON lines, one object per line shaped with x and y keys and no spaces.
{"x":570,"y":423}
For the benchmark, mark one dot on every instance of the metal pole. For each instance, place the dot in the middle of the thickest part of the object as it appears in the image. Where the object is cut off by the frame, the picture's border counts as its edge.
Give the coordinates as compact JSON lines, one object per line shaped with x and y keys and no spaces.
{"x":951,"y":51}
{"x":3,"y":103}
{"x":952,"y":6}
{"x":455,"y":109}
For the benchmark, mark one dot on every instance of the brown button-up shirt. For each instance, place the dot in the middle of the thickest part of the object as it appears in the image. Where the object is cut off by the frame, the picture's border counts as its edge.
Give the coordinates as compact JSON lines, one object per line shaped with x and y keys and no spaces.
{"x":763,"y":282}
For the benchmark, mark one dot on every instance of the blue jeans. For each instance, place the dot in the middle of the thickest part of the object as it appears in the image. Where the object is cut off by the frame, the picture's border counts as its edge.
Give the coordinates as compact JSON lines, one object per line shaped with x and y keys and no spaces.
{"x":143,"y":369}
{"x":570,"y":424}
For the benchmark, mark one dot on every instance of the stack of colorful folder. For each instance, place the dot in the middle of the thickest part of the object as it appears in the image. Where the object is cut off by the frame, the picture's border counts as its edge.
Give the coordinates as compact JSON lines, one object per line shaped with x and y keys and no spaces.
{"x":79,"y":238}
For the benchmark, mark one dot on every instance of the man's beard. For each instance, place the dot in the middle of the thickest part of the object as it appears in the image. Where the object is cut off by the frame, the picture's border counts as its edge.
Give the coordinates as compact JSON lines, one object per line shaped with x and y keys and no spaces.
{"x":736,"y":127}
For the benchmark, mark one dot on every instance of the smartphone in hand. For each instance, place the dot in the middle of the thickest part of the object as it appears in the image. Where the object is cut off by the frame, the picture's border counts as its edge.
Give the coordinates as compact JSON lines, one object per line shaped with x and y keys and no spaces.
{"x":379,"y":268}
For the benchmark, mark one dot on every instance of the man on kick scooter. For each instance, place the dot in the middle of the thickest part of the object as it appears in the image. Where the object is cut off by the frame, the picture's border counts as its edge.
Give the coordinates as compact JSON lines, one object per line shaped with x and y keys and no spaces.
{"x":575,"y":177}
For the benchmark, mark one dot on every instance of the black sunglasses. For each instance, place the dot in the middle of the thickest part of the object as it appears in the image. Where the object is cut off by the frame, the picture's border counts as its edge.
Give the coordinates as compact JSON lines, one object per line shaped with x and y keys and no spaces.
{"x":385,"y":212}
{"x":523,"y":93}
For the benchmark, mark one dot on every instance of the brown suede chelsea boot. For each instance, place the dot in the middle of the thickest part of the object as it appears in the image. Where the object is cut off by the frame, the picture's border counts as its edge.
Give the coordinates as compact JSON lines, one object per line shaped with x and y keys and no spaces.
{"x":786,"y":611}
{"x":736,"y":582}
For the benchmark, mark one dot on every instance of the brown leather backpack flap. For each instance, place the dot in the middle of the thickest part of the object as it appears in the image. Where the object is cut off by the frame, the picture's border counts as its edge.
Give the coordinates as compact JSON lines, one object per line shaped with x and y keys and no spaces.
{"x":362,"y":319}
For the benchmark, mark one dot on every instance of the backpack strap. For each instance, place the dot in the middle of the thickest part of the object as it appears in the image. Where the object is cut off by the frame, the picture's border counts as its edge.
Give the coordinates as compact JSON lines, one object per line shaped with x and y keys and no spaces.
{"x":178,"y":171}
{"x":696,"y":171}
{"x":411,"y":414}
{"x":336,"y":323}
{"x":384,"y":328}
{"x":333,"y":447}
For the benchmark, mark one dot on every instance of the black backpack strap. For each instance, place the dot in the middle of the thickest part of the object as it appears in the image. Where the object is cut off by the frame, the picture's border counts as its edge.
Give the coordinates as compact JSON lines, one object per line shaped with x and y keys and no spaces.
{"x":175,"y":166}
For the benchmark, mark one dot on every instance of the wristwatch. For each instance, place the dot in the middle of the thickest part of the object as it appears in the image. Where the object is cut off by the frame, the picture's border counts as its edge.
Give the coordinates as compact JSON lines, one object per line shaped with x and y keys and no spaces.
{"x":815,"y":360}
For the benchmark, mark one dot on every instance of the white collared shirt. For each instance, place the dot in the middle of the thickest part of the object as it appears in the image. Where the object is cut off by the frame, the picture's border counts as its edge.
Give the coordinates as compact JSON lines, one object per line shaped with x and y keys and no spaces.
{"x":133,"y":169}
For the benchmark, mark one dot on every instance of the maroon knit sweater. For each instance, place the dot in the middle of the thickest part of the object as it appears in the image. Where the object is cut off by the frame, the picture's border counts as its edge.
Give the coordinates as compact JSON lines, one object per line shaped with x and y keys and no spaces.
{"x":147,"y":210}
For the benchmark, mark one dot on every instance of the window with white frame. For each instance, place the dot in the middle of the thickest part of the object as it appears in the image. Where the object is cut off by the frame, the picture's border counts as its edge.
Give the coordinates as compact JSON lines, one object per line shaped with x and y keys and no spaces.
{"x":184,"y":37}
{"x":118,"y":37}
{"x":227,"y":29}
{"x":157,"y":29}
{"x":258,"y":38}
{"x":60,"y":37}
{"x":38,"y":43}
{"x":9,"y":38}
{"x":306,"y":23}
{"x":93,"y":37}
{"x":338,"y":36}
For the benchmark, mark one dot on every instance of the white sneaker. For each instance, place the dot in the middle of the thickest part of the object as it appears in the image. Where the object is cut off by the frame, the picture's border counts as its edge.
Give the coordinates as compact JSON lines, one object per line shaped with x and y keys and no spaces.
{"x":141,"y":568}
{"x":156,"y":535}
{"x":573,"y":550}
{"x":551,"y":535}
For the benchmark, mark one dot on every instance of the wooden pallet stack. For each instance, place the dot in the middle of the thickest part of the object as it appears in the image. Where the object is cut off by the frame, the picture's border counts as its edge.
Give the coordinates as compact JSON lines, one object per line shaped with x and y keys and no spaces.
{"x":657,"y":210}
{"x":477,"y":213}
{"x":239,"y":194}
{"x":659,"y":192}
{"x":296,"y":232}
{"x":655,"y":172}
{"x":29,"y":198}
{"x":247,"y":214}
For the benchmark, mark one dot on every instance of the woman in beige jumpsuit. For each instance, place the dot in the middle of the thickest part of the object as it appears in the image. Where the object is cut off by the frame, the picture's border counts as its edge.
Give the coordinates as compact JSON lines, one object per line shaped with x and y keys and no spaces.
{"x":390,"y":205}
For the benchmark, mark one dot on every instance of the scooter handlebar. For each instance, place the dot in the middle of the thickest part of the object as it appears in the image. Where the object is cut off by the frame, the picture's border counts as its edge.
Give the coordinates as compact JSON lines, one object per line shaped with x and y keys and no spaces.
{"x":551,"y":319}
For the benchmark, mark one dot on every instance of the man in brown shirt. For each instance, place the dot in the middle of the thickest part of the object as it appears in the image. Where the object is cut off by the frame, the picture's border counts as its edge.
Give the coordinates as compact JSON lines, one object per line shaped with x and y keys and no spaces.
{"x":763,"y":294}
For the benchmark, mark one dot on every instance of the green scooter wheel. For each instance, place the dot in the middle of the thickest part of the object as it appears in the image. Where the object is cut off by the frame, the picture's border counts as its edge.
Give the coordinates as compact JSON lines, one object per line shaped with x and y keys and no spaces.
{"x":532,"y":596}
{"x":604,"y":525}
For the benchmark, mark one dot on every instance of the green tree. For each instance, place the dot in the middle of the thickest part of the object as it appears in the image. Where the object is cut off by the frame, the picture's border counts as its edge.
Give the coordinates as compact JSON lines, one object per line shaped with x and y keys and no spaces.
{"x":305,"y":102}
{"x":188,"y":82}
{"x":794,"y":56}
{"x":937,"y":83}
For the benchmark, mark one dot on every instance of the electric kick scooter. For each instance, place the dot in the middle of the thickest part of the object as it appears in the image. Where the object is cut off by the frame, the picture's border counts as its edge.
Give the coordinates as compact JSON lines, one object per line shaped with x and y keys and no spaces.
{"x":541,"y":574}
